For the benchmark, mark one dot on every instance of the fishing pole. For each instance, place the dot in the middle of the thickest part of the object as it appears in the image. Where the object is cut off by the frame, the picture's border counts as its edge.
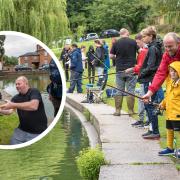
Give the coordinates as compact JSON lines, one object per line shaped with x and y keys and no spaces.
{"x":123,"y":91}
{"x":126,"y":92}
{"x":91,"y":77}
{"x":98,"y":59}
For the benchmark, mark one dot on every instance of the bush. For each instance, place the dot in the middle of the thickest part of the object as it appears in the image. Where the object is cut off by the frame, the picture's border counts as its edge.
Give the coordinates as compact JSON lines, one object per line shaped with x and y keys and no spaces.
{"x":89,"y":162}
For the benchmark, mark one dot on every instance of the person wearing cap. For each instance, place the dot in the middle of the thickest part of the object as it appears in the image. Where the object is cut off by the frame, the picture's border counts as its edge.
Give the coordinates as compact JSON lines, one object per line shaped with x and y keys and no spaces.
{"x":124,"y":52}
{"x":171,"y":104}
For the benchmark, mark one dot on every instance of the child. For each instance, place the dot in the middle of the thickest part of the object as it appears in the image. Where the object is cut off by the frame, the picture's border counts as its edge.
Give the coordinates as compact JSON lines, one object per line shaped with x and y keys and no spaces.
{"x":172,"y":105}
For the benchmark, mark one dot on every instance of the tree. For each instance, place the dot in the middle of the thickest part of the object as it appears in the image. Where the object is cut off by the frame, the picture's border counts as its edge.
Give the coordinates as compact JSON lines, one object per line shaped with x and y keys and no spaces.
{"x":44,"y":19}
{"x":106,"y":14}
{"x":10,"y":60}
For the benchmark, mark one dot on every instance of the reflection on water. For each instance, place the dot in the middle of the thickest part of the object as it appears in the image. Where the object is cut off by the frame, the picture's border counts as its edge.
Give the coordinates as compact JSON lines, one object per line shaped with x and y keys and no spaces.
{"x":36,"y":81}
{"x":51,"y":158}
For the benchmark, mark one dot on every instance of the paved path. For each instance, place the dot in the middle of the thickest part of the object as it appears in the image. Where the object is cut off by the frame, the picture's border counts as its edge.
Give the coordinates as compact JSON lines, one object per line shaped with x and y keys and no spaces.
{"x":130,"y":156}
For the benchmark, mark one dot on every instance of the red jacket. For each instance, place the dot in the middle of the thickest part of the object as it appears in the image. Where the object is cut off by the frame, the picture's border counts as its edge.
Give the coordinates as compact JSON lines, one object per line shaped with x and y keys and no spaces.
{"x":163,"y":70}
{"x":140,"y":59}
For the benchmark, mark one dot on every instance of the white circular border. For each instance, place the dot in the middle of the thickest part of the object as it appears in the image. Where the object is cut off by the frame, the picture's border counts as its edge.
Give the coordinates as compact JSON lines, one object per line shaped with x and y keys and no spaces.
{"x":63,"y":84}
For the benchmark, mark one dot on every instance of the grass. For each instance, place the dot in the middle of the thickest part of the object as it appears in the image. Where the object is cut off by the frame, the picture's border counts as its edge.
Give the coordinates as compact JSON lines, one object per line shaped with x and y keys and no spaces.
{"x":7,"y":126}
{"x":110,"y":101}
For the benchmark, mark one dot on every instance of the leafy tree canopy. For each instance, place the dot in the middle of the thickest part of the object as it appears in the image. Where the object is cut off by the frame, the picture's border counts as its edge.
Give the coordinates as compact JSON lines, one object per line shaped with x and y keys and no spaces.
{"x":44,"y":19}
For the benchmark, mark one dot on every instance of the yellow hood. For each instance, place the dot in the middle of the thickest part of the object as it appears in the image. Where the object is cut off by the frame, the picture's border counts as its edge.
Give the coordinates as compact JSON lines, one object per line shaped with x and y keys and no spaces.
{"x":176,"y":65}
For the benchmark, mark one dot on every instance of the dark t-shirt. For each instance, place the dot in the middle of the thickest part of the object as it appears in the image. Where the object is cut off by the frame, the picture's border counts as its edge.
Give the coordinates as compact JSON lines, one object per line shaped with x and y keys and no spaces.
{"x":34,"y":122}
{"x":125,"y":50}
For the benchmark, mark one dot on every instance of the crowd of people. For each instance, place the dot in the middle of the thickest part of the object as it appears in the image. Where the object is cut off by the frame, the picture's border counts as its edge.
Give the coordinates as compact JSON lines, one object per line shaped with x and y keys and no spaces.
{"x":148,"y":60}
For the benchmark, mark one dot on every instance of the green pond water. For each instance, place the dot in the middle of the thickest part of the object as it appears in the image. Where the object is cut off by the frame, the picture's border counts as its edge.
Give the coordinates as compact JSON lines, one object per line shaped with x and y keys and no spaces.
{"x":51,"y":158}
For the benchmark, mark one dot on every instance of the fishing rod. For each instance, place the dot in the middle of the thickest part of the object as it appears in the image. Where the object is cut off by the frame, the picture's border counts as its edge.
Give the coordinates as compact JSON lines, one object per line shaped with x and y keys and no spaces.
{"x":98,"y":59}
{"x":123,"y":91}
{"x":92,"y":77}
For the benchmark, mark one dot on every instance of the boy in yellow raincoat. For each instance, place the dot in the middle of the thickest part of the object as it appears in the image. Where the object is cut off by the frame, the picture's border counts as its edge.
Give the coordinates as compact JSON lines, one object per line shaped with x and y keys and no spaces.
{"x":171,"y":104}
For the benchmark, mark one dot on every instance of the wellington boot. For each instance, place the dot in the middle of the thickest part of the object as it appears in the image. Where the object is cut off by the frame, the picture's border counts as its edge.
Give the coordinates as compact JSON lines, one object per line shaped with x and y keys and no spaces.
{"x":130,"y":105}
{"x":118,"y":105}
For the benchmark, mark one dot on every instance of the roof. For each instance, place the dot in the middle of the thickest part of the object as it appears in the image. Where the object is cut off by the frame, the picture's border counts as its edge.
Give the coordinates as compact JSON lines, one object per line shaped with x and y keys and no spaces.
{"x":30,"y":54}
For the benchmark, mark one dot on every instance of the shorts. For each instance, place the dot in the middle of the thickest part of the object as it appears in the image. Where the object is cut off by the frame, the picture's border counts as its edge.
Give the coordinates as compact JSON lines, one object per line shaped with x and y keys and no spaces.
{"x":174,"y":125}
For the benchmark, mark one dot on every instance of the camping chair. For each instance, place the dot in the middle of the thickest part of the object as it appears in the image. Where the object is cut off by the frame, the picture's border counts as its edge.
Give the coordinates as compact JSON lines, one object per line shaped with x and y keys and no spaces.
{"x":95,"y":93}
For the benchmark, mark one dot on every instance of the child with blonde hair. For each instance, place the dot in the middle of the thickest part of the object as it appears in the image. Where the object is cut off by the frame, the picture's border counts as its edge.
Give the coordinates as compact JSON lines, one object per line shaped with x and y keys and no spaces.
{"x":171,"y":104}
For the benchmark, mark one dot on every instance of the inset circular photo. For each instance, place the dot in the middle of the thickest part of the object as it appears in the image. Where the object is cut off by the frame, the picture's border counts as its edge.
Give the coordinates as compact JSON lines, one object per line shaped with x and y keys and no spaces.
{"x":32,"y":90}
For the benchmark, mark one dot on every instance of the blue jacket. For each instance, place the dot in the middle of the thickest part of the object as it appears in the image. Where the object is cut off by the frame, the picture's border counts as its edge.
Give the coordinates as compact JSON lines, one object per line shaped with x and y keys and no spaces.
{"x":107,"y":59}
{"x":76,"y":60}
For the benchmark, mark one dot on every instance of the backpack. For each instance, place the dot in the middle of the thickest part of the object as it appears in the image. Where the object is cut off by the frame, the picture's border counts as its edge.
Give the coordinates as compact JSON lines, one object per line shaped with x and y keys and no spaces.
{"x":55,"y":87}
{"x":111,"y":92}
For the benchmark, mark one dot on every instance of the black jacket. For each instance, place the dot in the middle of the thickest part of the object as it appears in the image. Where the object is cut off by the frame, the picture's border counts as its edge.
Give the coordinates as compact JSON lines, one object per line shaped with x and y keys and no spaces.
{"x":151,"y":62}
{"x":100,"y":54}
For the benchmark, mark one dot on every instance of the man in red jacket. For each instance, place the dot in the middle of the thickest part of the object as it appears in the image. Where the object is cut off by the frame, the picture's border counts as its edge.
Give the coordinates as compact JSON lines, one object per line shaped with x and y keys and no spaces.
{"x":172,"y":53}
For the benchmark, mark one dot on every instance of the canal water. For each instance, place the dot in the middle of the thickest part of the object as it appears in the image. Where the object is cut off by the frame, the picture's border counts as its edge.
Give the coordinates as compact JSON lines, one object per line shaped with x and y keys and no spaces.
{"x":51,"y":158}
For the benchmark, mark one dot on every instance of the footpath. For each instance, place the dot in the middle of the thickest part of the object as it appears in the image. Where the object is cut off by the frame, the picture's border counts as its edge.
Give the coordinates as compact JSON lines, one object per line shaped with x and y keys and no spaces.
{"x":130,"y":156}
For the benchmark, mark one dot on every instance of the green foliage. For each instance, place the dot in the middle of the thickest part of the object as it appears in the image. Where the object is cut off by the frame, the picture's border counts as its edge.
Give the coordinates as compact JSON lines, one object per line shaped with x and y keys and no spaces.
{"x":10,"y":60}
{"x":45,"y":20}
{"x":78,"y":13}
{"x":80,"y":31}
{"x":7,"y":126}
{"x":117,"y":14}
{"x":89,"y":162}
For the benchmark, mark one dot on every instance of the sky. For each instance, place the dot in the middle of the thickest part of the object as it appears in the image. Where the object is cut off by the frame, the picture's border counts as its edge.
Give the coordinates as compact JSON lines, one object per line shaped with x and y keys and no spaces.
{"x":16,"y":45}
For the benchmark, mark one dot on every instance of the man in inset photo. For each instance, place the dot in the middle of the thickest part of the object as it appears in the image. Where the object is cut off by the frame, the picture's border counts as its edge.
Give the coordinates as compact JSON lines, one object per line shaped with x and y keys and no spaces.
{"x":30,"y":109}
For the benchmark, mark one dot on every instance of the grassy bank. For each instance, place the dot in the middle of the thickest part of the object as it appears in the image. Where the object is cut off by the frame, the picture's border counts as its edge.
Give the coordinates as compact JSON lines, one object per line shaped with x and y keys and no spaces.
{"x":7,"y":126}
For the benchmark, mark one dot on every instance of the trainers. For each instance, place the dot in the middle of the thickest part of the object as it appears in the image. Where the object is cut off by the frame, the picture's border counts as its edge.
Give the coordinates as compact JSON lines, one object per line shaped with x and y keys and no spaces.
{"x":147,"y":133}
{"x":152,"y":136}
{"x":137,"y":123}
{"x":166,"y":152}
{"x":146,"y":125}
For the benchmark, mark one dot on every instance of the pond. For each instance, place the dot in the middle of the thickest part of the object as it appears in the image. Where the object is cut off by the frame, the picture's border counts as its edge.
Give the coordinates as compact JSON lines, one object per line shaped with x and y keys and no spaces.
{"x":51,"y":158}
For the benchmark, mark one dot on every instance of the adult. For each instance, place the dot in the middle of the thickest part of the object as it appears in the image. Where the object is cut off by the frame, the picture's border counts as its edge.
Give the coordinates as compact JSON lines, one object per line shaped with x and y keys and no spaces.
{"x":99,"y":60}
{"x":65,"y":60}
{"x":172,"y":53}
{"x":147,"y":72}
{"x":143,"y":49}
{"x":55,"y":87}
{"x":76,"y":69}
{"x":124,"y":52}
{"x":91,"y":66}
{"x":30,"y":109}
{"x":106,"y":62}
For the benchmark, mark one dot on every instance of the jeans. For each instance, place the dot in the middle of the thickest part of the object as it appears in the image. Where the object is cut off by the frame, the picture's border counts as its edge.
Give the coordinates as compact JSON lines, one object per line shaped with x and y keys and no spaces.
{"x":76,"y":79}
{"x":100,"y":71}
{"x":105,"y":78}
{"x":21,"y":136}
{"x":125,"y":80}
{"x":150,"y":109}
{"x":141,"y":108}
